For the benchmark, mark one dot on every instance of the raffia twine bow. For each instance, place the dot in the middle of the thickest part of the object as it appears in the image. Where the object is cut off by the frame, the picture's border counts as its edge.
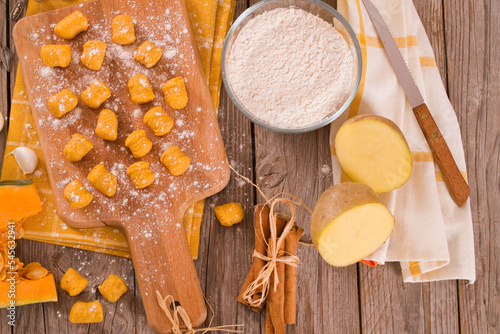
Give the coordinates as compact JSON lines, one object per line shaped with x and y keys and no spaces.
{"x":177,"y":311}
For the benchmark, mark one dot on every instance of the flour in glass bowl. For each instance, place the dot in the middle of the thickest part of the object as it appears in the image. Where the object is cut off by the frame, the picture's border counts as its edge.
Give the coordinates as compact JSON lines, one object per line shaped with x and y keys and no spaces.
{"x":290,"y":68}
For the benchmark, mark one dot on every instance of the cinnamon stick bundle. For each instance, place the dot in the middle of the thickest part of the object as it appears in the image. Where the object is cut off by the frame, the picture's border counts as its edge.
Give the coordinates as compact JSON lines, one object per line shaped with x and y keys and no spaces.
{"x":261,"y":235}
{"x":291,"y":241}
{"x":281,"y":304}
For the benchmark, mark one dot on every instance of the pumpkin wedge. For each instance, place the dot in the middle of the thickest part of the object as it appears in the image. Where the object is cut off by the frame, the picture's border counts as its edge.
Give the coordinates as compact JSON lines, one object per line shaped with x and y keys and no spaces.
{"x":32,"y":283}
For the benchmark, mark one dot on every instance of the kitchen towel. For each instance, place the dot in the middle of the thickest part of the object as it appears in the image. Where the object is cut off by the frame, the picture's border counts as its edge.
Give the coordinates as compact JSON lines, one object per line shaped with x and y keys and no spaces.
{"x":433,"y":237}
{"x":211,"y":20}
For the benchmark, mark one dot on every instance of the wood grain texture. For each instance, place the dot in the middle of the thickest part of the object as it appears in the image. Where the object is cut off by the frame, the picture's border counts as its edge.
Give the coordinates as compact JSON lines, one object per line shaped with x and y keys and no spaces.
{"x":473,"y":62}
{"x":151,"y":218}
{"x":229,"y":254}
{"x":467,"y":53}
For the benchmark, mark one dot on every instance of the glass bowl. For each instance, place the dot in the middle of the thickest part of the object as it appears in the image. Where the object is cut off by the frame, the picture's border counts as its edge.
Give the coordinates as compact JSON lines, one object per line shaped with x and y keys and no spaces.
{"x":317,"y":8}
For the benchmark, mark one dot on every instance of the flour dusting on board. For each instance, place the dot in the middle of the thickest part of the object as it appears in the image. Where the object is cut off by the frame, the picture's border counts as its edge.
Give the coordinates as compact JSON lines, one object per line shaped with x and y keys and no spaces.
{"x":290,"y":68}
{"x":166,"y":30}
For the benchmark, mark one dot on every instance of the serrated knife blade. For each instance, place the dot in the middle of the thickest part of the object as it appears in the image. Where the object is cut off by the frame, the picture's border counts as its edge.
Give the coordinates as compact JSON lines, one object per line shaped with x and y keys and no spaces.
{"x":455,"y":181}
{"x":398,"y":63}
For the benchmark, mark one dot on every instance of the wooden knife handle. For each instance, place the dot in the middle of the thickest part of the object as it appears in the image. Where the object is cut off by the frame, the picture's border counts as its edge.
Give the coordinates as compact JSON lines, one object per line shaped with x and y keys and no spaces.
{"x":455,"y":181}
{"x":162,"y":261}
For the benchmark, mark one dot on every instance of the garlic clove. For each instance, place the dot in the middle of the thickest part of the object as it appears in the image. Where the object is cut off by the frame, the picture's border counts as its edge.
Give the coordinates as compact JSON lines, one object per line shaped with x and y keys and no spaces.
{"x":26,"y":159}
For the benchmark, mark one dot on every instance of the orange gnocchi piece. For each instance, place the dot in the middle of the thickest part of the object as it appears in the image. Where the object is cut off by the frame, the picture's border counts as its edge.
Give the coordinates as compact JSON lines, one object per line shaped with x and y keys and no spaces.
{"x":71,"y":25}
{"x":175,"y":160}
{"x":113,"y":288}
{"x":62,"y":102}
{"x":138,"y":143}
{"x":175,"y":92}
{"x":77,"y":147}
{"x":230,"y":213}
{"x":140,"y":174}
{"x":107,"y":125}
{"x":96,"y":94}
{"x":147,"y":54}
{"x":72,"y":282}
{"x":56,"y":55}
{"x":158,"y":121}
{"x":86,"y":312}
{"x":123,"y":30}
{"x":93,"y":54}
{"x":103,"y":180}
{"x":140,"y":89}
{"x":77,"y":195}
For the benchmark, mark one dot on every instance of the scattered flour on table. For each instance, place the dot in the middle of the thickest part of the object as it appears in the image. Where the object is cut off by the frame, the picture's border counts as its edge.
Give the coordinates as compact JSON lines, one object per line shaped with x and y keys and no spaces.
{"x":290,"y":68}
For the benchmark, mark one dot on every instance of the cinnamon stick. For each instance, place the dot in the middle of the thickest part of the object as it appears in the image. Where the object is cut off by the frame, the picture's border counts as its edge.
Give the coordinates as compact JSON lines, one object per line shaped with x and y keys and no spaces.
{"x":261,"y":226}
{"x":276,"y":298}
{"x":291,"y":241}
{"x":269,"y":329}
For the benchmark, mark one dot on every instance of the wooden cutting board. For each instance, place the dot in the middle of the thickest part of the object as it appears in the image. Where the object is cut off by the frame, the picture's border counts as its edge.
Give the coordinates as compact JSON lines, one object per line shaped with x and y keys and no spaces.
{"x":152,"y":217}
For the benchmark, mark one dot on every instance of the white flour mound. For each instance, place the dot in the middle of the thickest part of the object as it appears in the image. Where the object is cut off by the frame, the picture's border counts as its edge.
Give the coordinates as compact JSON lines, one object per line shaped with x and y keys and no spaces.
{"x":290,"y":68}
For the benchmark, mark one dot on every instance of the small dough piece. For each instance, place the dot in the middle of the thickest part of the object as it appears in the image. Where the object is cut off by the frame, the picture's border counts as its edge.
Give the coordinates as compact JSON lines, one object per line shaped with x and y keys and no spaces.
{"x":72,"y":282}
{"x":175,"y":160}
{"x":76,"y":194}
{"x":77,"y":147}
{"x":140,"y":174}
{"x":123,"y":30}
{"x":158,"y":121}
{"x":103,"y":180}
{"x":147,"y":54}
{"x":56,"y":55}
{"x":107,"y":125}
{"x":86,"y":312}
{"x":93,"y":54}
{"x":113,"y":288}
{"x":96,"y":94}
{"x":175,"y":92}
{"x":62,"y":102}
{"x":138,"y":143}
{"x":71,"y":25}
{"x":230,"y":213}
{"x":140,"y":89}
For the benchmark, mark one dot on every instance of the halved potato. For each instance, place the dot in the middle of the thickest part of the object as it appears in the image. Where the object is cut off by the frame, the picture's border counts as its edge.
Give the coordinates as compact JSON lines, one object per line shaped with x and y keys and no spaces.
{"x":349,"y":223}
{"x":373,"y":150}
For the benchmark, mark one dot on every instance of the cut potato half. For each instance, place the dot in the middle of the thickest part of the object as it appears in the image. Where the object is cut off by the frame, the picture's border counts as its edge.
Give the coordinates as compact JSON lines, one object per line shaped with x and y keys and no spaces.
{"x":373,"y":150}
{"x":349,"y":223}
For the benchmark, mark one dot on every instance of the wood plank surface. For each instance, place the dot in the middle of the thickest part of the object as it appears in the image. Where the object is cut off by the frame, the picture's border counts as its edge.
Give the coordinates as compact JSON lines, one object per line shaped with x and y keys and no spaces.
{"x":355,"y":299}
{"x":473,"y":70}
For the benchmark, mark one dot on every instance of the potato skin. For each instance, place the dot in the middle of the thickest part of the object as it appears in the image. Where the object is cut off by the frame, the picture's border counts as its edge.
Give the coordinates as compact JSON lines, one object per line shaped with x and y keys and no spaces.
{"x":336,"y":200}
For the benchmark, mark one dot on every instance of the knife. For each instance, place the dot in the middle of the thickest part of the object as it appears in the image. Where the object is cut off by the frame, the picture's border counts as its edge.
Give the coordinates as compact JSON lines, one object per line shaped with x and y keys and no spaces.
{"x":455,"y":181}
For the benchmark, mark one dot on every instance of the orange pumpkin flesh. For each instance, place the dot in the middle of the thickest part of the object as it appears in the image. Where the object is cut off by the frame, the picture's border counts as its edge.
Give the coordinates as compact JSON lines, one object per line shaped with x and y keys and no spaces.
{"x":18,"y":201}
{"x":29,"y":292}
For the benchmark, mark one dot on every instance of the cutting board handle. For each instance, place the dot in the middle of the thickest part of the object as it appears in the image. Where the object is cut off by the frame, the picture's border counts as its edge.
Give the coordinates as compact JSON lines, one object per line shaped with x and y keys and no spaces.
{"x":162,"y":262}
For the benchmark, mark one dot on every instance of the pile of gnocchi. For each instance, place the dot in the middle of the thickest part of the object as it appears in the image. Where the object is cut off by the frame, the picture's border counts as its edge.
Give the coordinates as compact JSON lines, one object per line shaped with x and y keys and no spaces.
{"x":106,"y":128}
{"x":90,"y":312}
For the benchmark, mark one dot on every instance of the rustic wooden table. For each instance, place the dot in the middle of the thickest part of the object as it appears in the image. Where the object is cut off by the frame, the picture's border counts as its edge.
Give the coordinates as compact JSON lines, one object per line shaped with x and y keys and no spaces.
{"x":330,"y":300}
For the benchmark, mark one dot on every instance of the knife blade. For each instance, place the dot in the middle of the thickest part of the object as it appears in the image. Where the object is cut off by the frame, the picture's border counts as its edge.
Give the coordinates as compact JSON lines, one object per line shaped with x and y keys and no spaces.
{"x":455,"y":181}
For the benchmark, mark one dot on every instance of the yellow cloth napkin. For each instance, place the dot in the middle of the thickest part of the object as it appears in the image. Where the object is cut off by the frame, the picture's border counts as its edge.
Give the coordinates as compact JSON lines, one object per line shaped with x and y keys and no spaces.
{"x":433,"y":237}
{"x":211,"y":20}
